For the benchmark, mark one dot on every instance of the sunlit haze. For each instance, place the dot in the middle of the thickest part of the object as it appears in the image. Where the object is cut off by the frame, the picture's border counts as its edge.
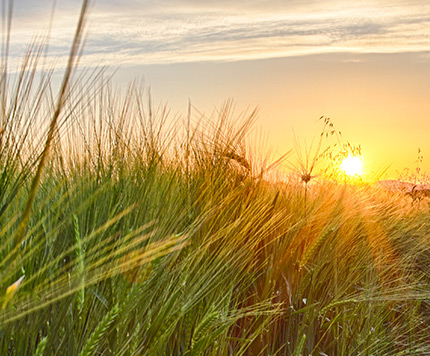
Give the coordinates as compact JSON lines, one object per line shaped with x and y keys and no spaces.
{"x":365,"y":64}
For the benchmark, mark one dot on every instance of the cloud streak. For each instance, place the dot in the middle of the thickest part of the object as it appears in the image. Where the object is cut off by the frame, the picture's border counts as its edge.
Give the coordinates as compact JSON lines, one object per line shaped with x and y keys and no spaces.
{"x":186,"y":30}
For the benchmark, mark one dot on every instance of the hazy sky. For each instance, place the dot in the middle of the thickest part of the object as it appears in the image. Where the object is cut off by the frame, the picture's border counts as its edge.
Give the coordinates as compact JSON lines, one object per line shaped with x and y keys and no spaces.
{"x":365,"y":64}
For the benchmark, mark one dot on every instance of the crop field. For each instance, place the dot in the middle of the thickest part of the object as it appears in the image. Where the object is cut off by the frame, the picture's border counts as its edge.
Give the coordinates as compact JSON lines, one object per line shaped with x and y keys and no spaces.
{"x":125,"y":231}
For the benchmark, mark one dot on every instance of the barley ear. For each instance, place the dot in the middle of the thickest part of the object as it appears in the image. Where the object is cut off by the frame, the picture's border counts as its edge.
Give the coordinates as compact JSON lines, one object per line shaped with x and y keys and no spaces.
{"x":135,"y":339}
{"x":100,"y":331}
{"x":41,"y":346}
{"x":80,"y":296}
{"x":300,"y":347}
{"x":313,"y":249}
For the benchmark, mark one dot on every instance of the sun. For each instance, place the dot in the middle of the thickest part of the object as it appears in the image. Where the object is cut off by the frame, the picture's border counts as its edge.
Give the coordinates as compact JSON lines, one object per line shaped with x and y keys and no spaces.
{"x":352,"y":166}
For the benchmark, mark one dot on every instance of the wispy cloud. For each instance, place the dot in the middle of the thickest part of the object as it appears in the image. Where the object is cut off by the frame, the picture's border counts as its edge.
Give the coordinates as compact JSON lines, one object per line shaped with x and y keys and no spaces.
{"x":156,"y":31}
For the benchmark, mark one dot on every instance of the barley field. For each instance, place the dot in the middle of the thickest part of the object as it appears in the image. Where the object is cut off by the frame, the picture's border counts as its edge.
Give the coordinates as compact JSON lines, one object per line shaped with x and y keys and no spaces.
{"x":128,"y":232}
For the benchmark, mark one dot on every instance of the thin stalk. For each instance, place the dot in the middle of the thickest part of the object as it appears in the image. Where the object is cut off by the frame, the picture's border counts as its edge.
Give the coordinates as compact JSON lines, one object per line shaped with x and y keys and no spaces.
{"x":75,"y":49}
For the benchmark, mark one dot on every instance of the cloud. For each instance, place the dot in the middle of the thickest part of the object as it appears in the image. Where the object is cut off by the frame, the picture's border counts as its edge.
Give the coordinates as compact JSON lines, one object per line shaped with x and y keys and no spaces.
{"x":161,"y":31}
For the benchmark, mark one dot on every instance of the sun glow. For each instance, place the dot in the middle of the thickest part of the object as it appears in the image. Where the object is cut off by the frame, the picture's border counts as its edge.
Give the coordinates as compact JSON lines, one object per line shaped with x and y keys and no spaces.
{"x":352,"y":166}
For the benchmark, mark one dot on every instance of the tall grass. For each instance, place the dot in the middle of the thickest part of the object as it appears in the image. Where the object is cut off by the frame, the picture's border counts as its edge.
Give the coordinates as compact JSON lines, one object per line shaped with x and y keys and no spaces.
{"x":141,"y":234}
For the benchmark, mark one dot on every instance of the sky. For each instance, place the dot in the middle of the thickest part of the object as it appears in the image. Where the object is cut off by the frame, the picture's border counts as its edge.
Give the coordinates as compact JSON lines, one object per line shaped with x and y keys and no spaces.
{"x":365,"y":64}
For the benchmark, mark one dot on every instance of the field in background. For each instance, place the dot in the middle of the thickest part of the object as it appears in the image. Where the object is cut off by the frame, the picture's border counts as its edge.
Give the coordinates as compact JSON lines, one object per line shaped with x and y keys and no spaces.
{"x":126,"y":232}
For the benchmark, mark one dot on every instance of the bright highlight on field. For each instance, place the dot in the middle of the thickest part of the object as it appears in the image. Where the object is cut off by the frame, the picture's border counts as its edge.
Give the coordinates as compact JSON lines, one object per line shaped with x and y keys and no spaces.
{"x":352,"y":166}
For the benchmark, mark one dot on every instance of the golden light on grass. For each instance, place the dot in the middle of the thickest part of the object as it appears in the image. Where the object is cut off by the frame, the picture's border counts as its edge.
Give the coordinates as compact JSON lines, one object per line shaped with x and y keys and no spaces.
{"x":352,"y":166}
{"x":10,"y":291}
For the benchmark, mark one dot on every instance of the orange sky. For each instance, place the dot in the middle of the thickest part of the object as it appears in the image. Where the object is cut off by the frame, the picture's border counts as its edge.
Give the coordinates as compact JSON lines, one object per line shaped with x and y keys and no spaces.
{"x":381,"y":101}
{"x":365,"y":64}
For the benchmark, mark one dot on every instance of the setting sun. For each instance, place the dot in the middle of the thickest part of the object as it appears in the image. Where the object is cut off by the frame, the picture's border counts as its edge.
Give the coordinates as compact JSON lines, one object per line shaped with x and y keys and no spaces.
{"x":352,"y":165}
